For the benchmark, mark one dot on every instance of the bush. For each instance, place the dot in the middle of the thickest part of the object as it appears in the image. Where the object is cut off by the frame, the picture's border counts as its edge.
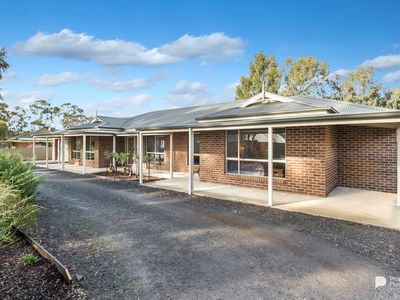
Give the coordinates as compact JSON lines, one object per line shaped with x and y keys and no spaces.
{"x":29,"y":259}
{"x":18,"y":185}
{"x":14,"y":211}
{"x":17,"y":174}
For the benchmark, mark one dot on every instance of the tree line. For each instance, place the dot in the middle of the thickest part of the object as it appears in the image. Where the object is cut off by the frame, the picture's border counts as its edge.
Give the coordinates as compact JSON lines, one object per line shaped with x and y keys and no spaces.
{"x":307,"y":76}
{"x":39,"y":114}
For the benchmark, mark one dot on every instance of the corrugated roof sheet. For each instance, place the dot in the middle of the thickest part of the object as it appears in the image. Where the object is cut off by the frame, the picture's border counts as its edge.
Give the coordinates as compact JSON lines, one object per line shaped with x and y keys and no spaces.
{"x":190,"y":116}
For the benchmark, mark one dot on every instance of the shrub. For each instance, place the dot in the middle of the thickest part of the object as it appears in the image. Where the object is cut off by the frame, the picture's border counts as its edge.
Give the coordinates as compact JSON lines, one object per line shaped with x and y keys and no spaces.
{"x":29,"y":259}
{"x":14,"y":211}
{"x":18,"y":185}
{"x":17,"y":174}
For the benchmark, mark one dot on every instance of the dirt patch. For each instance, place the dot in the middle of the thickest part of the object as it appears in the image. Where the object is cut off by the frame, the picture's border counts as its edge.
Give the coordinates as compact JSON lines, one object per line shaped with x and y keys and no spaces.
{"x":40,"y":281}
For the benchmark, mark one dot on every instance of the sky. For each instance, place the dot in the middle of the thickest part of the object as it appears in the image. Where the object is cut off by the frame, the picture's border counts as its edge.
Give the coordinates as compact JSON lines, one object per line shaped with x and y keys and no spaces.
{"x":122,"y":58}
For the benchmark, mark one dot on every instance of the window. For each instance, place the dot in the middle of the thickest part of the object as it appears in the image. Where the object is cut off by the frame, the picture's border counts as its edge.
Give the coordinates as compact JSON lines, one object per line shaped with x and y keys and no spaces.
{"x":155,"y":145}
{"x":89,"y":148}
{"x":196,"y":151}
{"x":76,"y":147}
{"x":247,"y":152}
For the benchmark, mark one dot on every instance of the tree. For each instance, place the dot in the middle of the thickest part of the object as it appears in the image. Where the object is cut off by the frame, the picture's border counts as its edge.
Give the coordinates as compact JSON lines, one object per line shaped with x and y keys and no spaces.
{"x":43,"y":113}
{"x":19,"y":120}
{"x":4,"y":110}
{"x":72,"y":115}
{"x":392,"y":98}
{"x":263,"y":70}
{"x":3,"y":63}
{"x":358,"y":87}
{"x":4,"y":132}
{"x":306,"y":76}
{"x":4,"y":113}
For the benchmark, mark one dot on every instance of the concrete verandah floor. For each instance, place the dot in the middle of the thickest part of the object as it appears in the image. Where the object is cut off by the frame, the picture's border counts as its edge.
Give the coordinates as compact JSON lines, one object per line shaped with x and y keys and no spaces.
{"x":350,"y":204}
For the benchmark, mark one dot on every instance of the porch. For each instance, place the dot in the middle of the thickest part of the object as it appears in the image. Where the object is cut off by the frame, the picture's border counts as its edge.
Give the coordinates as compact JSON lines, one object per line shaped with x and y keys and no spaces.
{"x":343,"y":203}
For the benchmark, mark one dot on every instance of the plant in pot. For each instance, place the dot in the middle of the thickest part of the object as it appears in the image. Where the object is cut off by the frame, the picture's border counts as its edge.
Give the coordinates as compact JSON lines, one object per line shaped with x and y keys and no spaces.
{"x":148,"y":159}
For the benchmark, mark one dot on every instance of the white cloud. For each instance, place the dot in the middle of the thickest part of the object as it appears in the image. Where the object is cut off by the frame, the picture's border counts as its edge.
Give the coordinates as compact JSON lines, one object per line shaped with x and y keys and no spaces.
{"x":118,"y":107}
{"x":25,"y":97}
{"x":121,"y":86}
{"x":49,"y":80}
{"x":83,"y":47}
{"x":383,"y":62}
{"x":392,"y":77}
{"x":186,"y":93}
{"x":229,"y":92}
{"x":340,"y":72}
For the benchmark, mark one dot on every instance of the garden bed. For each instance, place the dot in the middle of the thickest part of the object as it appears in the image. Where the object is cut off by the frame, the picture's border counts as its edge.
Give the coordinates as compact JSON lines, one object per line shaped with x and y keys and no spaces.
{"x":122,"y":177}
{"x":38,"y":281}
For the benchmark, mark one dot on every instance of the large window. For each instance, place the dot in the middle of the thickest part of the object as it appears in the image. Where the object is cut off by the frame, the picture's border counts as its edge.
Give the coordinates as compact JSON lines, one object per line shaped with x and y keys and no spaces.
{"x":76,"y":147}
{"x":247,"y":152}
{"x":89,"y":148}
{"x":155,"y":145}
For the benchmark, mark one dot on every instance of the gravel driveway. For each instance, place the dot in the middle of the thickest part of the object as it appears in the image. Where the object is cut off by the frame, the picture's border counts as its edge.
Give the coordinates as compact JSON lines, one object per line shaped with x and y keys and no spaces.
{"x":137,"y":242}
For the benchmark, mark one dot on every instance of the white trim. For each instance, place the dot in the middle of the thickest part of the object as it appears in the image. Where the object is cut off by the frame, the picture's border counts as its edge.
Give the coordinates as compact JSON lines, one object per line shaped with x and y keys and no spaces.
{"x":140,"y":148}
{"x":301,"y":124}
{"x":191,"y":141}
{"x":62,"y":153}
{"x":171,"y":156}
{"x":84,"y":154}
{"x":265,"y":97}
{"x":310,"y":112}
{"x":47,"y":153}
{"x":114,"y":148}
{"x":270,"y":165}
{"x":398,"y":167}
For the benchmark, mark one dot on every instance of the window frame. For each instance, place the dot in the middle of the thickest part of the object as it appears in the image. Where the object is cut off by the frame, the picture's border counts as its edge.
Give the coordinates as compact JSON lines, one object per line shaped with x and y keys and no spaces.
{"x":76,"y":153}
{"x":155,"y":153}
{"x":238,"y":159}
{"x":89,"y":139}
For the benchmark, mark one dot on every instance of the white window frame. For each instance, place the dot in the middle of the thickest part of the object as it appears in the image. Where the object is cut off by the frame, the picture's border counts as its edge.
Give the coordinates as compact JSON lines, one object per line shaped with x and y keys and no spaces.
{"x":89,"y":139}
{"x":154,"y":153}
{"x":76,"y":154}
{"x":239,"y":159}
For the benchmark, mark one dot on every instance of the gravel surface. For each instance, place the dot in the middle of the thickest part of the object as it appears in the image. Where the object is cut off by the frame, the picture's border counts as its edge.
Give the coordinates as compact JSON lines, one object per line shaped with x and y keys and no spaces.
{"x":139,"y":242}
{"x":40,"y":281}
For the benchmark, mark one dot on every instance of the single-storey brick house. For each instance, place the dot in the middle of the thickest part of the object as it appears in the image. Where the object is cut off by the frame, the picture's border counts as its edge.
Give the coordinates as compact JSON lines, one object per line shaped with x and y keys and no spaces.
{"x":309,"y":145}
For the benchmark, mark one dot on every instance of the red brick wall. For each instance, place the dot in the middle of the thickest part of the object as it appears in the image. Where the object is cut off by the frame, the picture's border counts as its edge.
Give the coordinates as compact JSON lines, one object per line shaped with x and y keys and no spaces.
{"x":368,"y":158}
{"x":310,"y":161}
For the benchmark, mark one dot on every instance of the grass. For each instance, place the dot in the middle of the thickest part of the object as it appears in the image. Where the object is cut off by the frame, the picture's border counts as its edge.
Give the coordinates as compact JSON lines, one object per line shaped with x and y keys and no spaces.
{"x":29,"y":259}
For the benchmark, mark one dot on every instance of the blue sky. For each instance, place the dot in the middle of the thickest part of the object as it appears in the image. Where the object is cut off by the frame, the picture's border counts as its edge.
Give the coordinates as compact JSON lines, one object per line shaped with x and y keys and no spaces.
{"x":126,"y":57}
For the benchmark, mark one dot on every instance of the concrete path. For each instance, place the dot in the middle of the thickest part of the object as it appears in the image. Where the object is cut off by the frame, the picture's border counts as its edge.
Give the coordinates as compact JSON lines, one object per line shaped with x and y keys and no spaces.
{"x":137,"y":242}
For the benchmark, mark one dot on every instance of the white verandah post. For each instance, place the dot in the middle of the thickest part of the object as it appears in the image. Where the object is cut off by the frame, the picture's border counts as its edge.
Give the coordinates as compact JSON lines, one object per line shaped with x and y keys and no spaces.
{"x":62,"y":153}
{"x":171,"y":156}
{"x":114,"y":148}
{"x":47,"y":152}
{"x":398,"y":167}
{"x":190,"y":157}
{"x":84,"y":154}
{"x":140,"y":149}
{"x":270,"y":165}
{"x":33,"y":151}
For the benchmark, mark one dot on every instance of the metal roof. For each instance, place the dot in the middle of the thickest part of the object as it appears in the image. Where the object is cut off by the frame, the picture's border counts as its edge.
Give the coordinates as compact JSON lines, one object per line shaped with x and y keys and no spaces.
{"x":236,"y":113}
